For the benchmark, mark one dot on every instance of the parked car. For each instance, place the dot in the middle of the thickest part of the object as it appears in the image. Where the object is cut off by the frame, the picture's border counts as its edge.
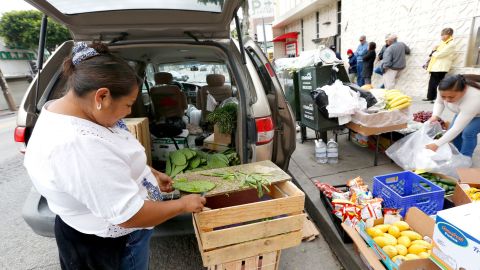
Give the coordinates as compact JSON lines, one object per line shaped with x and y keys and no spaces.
{"x":161,"y":32}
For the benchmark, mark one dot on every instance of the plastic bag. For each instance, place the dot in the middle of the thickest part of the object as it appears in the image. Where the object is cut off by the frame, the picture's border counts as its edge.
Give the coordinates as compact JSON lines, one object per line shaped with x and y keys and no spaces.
{"x":211,"y":103}
{"x":321,"y":99}
{"x":369,"y":97}
{"x":410,"y":152}
{"x":343,"y":102}
{"x":229,"y":100}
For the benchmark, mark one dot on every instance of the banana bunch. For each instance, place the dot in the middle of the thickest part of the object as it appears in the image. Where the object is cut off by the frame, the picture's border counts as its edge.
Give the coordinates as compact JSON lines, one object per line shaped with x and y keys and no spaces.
{"x":396,"y":100}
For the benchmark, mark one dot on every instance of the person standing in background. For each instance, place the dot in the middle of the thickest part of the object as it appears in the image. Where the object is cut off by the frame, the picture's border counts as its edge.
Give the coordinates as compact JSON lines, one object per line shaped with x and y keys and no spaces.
{"x":378,"y":69}
{"x":393,"y":61}
{"x":361,"y":51}
{"x":368,"y":60}
{"x":352,"y":66}
{"x":440,"y":62}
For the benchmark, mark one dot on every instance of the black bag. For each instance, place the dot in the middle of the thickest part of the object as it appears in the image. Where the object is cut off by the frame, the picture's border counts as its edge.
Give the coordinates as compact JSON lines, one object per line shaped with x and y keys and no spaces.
{"x":369,"y":97}
{"x":321,"y":99}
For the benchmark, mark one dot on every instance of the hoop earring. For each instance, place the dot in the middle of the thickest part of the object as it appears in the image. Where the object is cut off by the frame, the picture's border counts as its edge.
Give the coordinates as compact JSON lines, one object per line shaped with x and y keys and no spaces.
{"x":99,"y":106}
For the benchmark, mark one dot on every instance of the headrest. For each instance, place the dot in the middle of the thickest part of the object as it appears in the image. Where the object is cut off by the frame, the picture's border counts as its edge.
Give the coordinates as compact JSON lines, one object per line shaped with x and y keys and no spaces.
{"x":163,"y":78}
{"x":215,"y":80}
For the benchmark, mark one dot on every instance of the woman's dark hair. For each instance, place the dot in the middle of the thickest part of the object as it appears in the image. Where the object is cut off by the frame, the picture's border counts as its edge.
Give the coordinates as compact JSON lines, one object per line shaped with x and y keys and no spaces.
{"x":447,"y":31}
{"x":372,"y":46}
{"x":101,"y":70}
{"x":459,"y":82}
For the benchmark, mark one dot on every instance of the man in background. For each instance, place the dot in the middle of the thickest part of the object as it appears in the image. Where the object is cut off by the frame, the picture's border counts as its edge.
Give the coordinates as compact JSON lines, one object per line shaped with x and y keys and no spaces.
{"x":361,"y":51}
{"x":393,"y":61}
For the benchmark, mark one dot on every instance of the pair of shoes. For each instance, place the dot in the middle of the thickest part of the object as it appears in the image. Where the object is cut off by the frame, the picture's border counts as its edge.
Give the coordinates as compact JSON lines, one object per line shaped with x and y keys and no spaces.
{"x":426,"y":99}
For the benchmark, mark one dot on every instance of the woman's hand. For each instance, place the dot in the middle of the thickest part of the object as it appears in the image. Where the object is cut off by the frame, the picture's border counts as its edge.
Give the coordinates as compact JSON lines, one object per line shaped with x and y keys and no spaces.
{"x":164,"y":181}
{"x":432,"y":147}
{"x":433,"y":119}
{"x":193,"y":203}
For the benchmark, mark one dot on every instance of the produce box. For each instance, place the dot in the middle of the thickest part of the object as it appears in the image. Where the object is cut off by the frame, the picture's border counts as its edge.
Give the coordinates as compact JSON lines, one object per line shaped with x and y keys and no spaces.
{"x":210,"y":144}
{"x":456,"y":238}
{"x":239,"y":225}
{"x":221,"y":138}
{"x":367,"y":131}
{"x":163,"y":146}
{"x":336,"y":221}
{"x":467,"y":176}
{"x":406,"y":189}
{"x":267,"y":261}
{"x":381,"y":119}
{"x":140,"y":129}
{"x":418,"y":222}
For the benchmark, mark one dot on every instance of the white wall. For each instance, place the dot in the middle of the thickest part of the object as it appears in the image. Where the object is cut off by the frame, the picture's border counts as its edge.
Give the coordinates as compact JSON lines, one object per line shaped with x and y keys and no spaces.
{"x":418,"y":24}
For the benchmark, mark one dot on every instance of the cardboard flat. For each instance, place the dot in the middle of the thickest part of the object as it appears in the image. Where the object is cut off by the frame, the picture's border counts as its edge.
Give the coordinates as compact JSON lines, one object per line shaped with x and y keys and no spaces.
{"x":140,"y":129}
{"x":209,"y":143}
{"x":368,"y":131}
{"x":372,"y":255}
{"x":470,"y":176}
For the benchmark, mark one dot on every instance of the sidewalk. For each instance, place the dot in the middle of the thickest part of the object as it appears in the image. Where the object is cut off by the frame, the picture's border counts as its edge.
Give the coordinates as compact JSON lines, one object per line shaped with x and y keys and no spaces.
{"x":353,"y":161}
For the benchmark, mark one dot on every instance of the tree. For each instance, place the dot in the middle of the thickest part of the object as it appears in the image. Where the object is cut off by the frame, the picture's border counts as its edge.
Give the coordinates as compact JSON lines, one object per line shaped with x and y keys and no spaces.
{"x":21,"y":29}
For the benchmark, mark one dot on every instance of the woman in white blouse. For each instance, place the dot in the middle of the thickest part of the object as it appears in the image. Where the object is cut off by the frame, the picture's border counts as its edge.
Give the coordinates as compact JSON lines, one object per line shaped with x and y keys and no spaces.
{"x":93,"y":172}
{"x":460,"y":94}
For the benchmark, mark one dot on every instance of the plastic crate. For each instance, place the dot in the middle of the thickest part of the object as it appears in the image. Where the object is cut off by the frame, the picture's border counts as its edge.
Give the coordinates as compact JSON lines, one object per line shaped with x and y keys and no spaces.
{"x":404,"y":190}
{"x":336,"y":221}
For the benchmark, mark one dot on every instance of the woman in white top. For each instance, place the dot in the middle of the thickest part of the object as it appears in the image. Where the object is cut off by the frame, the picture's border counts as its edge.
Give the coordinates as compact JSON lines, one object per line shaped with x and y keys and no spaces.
{"x":460,"y":94}
{"x":93,"y":172}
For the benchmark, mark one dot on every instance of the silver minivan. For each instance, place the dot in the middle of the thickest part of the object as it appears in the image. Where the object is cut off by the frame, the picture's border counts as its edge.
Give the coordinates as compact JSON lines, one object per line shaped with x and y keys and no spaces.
{"x":152,"y":35}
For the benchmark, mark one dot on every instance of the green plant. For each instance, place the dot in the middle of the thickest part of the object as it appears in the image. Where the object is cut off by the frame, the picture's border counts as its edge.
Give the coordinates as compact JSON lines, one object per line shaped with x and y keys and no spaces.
{"x":225,"y":117}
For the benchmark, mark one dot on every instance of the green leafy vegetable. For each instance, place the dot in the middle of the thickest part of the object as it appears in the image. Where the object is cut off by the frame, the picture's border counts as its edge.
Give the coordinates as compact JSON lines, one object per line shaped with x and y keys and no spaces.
{"x":193,"y":186}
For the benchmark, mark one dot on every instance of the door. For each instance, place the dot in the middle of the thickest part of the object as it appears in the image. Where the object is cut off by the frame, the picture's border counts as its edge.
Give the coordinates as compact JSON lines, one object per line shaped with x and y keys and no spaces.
{"x":142,"y":19}
{"x":284,"y":141}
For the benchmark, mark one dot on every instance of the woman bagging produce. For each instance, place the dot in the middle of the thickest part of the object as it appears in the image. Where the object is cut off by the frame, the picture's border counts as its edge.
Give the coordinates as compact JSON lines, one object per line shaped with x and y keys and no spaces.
{"x":93,"y":173}
{"x":460,"y":94}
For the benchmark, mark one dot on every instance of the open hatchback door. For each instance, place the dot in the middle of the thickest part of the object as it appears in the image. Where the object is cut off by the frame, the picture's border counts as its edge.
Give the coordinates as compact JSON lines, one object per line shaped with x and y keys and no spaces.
{"x":142,"y":19}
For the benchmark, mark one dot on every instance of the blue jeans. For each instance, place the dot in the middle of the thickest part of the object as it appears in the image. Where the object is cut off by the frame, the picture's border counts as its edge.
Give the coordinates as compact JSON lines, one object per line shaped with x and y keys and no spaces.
{"x":467,"y":140}
{"x":360,"y":80}
{"x":137,"y":251}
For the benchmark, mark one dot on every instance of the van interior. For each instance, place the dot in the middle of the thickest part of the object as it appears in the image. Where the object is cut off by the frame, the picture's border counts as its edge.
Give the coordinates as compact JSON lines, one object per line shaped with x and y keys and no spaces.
{"x":177,"y":79}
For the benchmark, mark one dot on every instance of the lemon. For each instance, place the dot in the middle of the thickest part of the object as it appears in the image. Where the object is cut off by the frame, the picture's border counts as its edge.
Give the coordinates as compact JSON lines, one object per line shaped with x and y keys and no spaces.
{"x":416,"y":249}
{"x":404,"y":241}
{"x":394,"y":231}
{"x":412,"y":235}
{"x":374,"y":232}
{"x":398,"y":259}
{"x":383,"y":227}
{"x":412,"y":257}
{"x":402,"y":225}
{"x":390,"y":250}
{"x":401,"y":250}
{"x":423,"y":243}
{"x":391,"y":240}
{"x":381,"y":241}
{"x":424,"y":255}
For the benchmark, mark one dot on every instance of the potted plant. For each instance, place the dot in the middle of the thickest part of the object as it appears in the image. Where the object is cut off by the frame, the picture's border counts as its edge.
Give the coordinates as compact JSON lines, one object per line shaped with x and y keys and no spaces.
{"x":224,"y":120}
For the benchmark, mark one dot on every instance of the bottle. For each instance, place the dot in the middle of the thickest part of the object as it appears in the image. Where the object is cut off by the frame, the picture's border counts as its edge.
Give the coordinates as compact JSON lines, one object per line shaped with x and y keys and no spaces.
{"x":332,"y":151}
{"x":320,"y":152}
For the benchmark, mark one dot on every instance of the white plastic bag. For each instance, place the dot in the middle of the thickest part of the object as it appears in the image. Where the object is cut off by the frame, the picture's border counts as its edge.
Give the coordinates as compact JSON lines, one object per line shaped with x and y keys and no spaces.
{"x":410,"y":152}
{"x":211,"y":103}
{"x":343,"y":102}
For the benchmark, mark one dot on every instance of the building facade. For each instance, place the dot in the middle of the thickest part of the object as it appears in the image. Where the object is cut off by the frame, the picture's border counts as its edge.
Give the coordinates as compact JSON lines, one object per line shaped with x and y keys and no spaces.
{"x":416,"y":23}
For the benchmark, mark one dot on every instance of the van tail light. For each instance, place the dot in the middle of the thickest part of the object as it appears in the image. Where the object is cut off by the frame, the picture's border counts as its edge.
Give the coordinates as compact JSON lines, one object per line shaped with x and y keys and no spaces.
{"x":268,"y":66}
{"x":265,"y":130}
{"x":19,"y":137}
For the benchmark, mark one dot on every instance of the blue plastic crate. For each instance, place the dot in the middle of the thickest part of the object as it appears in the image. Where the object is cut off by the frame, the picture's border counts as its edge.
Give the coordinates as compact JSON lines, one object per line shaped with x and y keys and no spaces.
{"x":403,"y":190}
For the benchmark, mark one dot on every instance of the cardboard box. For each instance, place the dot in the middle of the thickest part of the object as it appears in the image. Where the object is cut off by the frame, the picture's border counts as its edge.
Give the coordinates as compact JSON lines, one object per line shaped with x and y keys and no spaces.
{"x":140,"y":129}
{"x":221,"y":138}
{"x":469,"y":176}
{"x":367,"y":131}
{"x":163,"y":146}
{"x":456,"y":238}
{"x":372,"y":255}
{"x":381,"y":118}
{"x":210,"y":144}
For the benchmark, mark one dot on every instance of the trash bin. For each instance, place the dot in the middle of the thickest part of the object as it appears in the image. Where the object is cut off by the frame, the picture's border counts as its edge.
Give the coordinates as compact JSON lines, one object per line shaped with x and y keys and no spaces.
{"x":311,"y":78}
{"x":289,"y":81}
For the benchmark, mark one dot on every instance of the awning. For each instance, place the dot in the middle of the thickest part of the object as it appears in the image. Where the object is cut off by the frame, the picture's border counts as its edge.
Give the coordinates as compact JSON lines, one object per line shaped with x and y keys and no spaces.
{"x":283,"y":37}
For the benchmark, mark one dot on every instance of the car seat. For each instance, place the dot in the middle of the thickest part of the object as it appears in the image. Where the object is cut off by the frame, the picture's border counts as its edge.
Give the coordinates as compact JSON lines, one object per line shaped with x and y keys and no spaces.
{"x":169,"y":104}
{"x":217,"y":88}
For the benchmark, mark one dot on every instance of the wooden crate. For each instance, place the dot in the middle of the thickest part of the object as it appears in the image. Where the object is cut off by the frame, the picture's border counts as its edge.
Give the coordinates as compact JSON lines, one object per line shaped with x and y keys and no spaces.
{"x":140,"y":129}
{"x":267,"y":261}
{"x":238,"y":225}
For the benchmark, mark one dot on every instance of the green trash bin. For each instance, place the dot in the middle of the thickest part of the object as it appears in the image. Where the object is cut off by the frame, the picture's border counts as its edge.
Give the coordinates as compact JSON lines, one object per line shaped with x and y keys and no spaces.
{"x":289,"y":80}
{"x":311,"y":78}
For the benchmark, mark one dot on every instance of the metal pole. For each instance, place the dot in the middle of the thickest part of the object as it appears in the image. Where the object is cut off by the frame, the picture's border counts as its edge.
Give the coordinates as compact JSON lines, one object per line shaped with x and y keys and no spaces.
{"x":41,"y":50}
{"x":6,"y":93}
{"x":264,"y":37}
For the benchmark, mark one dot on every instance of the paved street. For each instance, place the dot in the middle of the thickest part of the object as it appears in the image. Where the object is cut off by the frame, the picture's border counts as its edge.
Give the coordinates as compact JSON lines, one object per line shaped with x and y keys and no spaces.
{"x":23,"y":249}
